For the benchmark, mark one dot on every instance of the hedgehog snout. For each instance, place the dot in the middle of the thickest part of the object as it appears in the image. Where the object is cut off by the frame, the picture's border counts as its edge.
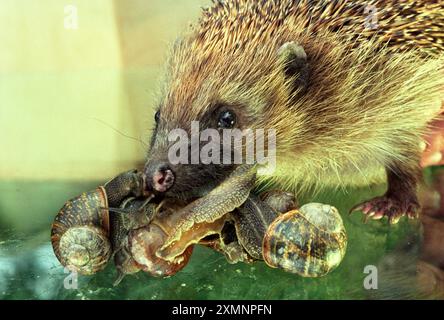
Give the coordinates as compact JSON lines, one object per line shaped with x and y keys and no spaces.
{"x":159,"y":177}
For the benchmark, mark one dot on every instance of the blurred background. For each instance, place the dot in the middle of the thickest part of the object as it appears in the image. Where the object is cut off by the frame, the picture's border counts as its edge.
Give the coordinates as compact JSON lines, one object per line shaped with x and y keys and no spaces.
{"x":78,"y":83}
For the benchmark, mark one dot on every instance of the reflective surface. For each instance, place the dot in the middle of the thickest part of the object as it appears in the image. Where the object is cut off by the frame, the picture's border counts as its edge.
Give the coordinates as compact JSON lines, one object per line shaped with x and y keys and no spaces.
{"x":409,"y":257}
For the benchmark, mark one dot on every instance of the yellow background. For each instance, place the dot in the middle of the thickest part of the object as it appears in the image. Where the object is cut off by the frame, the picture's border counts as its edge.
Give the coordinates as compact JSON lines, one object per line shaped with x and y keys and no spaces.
{"x":68,"y":97}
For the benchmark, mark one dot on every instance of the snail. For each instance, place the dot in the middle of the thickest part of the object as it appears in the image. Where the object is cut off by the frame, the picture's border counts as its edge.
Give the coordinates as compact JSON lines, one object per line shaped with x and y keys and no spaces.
{"x":310,"y":242}
{"x":132,"y":214}
{"x":145,"y":242}
{"x":143,"y":237}
{"x":81,"y":230}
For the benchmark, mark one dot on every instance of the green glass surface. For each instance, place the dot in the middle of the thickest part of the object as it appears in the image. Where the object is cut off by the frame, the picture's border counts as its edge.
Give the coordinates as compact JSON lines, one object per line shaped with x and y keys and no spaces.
{"x":29,"y":269}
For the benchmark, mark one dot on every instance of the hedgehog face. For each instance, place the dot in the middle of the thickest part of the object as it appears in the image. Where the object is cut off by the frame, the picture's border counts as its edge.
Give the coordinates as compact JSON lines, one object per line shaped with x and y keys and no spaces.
{"x":207,"y":94}
{"x":177,"y":165}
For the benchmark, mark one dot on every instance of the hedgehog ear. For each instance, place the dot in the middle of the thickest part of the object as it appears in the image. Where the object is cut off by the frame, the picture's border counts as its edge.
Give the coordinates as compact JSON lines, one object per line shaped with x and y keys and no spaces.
{"x":295,"y":63}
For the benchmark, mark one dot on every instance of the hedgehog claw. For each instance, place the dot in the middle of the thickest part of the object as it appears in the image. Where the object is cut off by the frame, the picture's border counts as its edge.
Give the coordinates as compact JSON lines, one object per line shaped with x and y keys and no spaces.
{"x":378,"y":215}
{"x":389,"y":206}
{"x":368,"y":216}
{"x":359,"y":207}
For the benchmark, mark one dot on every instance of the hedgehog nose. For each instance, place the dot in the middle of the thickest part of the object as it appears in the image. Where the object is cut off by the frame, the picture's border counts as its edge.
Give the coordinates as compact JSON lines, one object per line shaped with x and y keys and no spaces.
{"x":159,"y":177}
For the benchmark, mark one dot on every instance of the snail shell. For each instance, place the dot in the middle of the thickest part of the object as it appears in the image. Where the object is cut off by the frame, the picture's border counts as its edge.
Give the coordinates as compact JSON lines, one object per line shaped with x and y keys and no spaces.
{"x":310,"y":241}
{"x":80,"y":233}
{"x":144,"y":242}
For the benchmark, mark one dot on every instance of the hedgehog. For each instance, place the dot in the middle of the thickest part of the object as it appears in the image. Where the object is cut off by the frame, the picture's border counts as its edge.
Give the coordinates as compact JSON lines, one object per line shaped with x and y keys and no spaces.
{"x":349,"y":88}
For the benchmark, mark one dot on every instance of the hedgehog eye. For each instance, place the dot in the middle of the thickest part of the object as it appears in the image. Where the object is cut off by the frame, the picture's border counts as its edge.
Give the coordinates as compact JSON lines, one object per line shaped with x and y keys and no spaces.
{"x":227,"y":120}
{"x":157,"y":116}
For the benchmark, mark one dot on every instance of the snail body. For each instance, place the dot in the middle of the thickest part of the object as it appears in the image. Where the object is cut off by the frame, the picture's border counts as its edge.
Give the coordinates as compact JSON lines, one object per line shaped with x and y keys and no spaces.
{"x":138,"y":233}
{"x":132,"y":214}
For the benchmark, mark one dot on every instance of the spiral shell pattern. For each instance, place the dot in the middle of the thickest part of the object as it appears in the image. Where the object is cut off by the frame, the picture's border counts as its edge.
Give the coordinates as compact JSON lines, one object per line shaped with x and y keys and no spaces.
{"x":79,"y":233}
{"x":310,"y":241}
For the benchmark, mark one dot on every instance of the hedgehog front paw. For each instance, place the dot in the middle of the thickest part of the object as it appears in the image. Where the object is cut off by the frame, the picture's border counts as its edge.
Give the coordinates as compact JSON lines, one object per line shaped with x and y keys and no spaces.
{"x":390,"y":206}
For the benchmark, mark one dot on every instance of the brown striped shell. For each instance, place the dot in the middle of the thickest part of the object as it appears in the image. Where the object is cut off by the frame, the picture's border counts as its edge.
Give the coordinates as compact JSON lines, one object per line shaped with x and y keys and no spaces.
{"x":144,"y":243}
{"x":80,"y":233}
{"x":310,"y":241}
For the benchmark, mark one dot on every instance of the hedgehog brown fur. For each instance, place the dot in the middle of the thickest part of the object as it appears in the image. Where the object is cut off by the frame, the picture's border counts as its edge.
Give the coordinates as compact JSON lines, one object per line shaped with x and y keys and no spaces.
{"x":370,"y":96}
